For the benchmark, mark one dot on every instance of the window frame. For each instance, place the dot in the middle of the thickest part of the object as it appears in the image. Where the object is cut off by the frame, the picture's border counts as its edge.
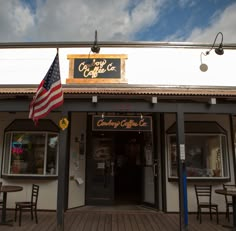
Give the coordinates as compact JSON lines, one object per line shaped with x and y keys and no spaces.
{"x":225,"y":166}
{"x":7,"y":155}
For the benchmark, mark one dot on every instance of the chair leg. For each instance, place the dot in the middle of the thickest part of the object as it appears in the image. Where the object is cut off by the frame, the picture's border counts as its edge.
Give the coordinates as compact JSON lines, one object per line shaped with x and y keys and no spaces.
{"x":16,"y":212}
{"x":32,"y":215}
{"x":217,"y":215}
{"x":20,"y":216}
{"x":227,"y":213}
{"x":210,"y":213}
{"x":200,"y":215}
{"x":35,"y":214}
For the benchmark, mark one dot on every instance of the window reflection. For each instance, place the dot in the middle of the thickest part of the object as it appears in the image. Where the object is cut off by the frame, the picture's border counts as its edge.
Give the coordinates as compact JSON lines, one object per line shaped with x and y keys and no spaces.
{"x":30,"y":153}
{"x":206,"y":155}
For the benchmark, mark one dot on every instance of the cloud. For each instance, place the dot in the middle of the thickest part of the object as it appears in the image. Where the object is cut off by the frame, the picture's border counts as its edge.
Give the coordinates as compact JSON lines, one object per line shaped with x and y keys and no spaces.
{"x":15,"y":20}
{"x":224,"y":22}
{"x":76,"y":20}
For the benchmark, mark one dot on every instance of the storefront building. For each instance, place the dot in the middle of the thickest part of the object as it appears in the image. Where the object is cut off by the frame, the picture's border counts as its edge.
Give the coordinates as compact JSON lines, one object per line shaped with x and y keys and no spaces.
{"x":133,"y":111}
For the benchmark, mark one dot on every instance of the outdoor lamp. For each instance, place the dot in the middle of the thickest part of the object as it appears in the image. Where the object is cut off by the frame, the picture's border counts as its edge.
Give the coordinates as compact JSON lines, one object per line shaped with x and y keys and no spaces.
{"x":203,"y":66}
{"x":219,"y":51}
{"x":95,"y":48}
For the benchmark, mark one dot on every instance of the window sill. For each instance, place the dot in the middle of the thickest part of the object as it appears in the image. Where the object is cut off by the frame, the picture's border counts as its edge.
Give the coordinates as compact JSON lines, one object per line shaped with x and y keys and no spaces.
{"x":46,"y":177}
{"x":201,"y":179}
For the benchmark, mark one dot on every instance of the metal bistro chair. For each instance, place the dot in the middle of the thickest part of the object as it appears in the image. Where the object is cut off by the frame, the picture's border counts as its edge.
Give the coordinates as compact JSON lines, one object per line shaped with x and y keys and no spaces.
{"x":204,"y":201}
{"x":28,"y":205}
{"x":228,"y":199}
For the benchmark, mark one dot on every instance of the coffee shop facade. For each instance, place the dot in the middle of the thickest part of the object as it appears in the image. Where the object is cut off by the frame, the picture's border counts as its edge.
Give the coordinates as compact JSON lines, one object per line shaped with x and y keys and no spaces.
{"x":132,"y":116}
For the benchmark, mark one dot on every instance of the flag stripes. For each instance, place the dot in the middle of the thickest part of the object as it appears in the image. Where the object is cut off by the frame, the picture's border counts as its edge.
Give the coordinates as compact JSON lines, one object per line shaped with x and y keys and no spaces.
{"x":49,"y":94}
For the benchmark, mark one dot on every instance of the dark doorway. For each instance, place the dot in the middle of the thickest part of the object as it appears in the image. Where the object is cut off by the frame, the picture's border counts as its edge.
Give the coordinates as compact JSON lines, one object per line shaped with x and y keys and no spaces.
{"x":114,"y":168}
{"x":128,"y":171}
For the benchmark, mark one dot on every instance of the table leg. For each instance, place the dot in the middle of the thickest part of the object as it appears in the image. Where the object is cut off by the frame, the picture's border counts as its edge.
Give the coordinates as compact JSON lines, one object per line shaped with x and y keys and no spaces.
{"x":233,"y":228}
{"x":4,"y":209}
{"x":234,"y":212}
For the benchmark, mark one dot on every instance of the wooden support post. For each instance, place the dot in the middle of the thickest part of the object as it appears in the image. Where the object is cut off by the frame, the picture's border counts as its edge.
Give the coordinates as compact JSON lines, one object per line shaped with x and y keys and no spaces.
{"x":61,"y":188}
{"x":183,"y":204}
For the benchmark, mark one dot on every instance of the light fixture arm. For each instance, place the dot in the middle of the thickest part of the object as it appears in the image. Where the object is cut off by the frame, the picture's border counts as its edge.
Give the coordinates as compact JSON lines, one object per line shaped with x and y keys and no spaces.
{"x":220,"y":46}
{"x":95,"y":48}
{"x":201,"y":56}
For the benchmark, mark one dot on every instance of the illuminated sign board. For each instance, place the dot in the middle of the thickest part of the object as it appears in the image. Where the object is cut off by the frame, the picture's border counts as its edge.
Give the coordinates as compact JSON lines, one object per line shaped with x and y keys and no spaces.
{"x":122,"y":123}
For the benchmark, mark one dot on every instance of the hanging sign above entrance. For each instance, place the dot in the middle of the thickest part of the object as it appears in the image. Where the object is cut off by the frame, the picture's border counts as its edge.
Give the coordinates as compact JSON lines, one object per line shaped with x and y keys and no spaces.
{"x":122,"y":123}
{"x":96,"y":68}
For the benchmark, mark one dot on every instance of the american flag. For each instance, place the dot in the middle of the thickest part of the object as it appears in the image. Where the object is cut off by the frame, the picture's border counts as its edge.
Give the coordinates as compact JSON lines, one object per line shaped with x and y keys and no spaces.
{"x":49,"y":94}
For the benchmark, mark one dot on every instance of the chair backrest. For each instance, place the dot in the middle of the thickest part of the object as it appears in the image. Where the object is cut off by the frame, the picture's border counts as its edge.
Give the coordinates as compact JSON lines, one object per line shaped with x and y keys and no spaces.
{"x":228,"y":187}
{"x":203,"y":193}
{"x":35,"y":193}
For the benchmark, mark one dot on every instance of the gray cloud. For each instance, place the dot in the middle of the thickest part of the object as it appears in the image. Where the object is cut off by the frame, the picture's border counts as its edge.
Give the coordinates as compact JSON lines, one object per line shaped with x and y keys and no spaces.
{"x":76,"y":20}
{"x":224,"y":22}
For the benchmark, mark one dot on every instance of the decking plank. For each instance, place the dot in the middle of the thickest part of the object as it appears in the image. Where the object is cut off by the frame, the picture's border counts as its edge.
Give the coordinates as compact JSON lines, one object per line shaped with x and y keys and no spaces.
{"x":115,"y":220}
{"x":133,"y":222}
{"x":127,"y":222}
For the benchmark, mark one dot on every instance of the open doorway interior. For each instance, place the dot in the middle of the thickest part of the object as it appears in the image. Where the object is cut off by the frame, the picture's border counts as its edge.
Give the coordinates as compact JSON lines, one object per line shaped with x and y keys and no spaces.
{"x":128,"y":171}
{"x":119,"y":168}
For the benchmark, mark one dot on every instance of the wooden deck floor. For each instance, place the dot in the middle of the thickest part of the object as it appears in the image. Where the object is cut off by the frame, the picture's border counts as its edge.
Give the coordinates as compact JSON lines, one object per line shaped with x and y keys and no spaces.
{"x":118,"y":219}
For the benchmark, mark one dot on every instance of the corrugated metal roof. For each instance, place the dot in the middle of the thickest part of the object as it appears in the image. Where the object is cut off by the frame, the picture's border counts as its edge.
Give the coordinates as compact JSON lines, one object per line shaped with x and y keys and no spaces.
{"x":128,"y":90}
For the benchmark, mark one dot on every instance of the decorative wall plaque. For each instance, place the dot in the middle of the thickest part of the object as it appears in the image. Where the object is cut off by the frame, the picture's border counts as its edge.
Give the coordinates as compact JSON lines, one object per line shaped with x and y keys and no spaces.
{"x":96,"y":68}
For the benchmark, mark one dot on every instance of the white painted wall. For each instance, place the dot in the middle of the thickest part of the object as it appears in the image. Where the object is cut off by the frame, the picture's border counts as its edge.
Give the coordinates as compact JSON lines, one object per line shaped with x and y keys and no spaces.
{"x":162,"y":66}
{"x":172,"y":187}
{"x":77,"y":161}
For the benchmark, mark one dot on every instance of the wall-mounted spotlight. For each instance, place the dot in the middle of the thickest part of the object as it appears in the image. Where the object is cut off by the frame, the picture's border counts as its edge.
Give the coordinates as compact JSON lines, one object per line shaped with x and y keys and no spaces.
{"x":218,"y":50}
{"x":94,"y":99}
{"x":154,"y":99}
{"x":212,"y":101}
{"x":203,"y":66}
{"x":95,"y":48}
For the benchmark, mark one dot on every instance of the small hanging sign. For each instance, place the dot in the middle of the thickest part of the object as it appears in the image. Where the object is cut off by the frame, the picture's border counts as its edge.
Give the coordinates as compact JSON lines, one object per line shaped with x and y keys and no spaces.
{"x":63,"y":123}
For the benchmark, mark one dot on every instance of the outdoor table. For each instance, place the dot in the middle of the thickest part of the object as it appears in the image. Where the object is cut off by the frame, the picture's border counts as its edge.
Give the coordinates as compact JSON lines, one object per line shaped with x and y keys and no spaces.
{"x":233,"y":194}
{"x":7,"y":189}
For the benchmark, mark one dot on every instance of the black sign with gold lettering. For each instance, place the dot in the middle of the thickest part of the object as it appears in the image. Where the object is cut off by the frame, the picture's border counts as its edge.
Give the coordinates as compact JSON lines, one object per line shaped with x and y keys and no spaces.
{"x":122,"y":123}
{"x":97,"y":68}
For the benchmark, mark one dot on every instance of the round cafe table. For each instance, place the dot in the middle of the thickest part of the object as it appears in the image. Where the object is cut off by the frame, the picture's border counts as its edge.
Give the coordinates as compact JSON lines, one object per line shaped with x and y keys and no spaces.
{"x":233,"y":194}
{"x":7,"y":189}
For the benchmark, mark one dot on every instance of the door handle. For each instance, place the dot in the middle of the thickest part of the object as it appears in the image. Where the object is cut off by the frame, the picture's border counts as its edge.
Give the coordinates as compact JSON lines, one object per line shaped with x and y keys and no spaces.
{"x":155,"y":169}
{"x":112,"y":168}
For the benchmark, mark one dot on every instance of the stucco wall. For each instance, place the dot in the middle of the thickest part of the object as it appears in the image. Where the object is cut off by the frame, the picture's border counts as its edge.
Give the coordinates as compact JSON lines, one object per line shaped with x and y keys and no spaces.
{"x":153,"y":65}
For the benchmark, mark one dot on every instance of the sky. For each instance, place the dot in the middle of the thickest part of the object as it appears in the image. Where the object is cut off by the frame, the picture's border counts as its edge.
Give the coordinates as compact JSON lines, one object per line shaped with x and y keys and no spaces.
{"x":122,"y":21}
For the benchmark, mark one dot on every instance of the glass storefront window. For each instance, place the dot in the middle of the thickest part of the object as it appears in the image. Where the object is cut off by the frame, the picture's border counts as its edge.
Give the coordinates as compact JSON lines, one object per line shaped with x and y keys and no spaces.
{"x":206,"y":155}
{"x":30,"y":153}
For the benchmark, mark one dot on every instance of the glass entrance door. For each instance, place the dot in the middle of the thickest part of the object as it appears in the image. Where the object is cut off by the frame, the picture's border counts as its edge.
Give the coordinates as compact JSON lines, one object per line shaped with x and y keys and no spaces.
{"x":120,"y":169}
{"x":149,"y":172}
{"x":100,"y":171}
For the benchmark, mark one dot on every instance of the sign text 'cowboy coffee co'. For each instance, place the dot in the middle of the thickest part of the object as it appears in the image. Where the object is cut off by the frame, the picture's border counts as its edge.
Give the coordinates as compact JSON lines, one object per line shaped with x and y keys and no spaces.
{"x":122,"y":123}
{"x":97,"y":68}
